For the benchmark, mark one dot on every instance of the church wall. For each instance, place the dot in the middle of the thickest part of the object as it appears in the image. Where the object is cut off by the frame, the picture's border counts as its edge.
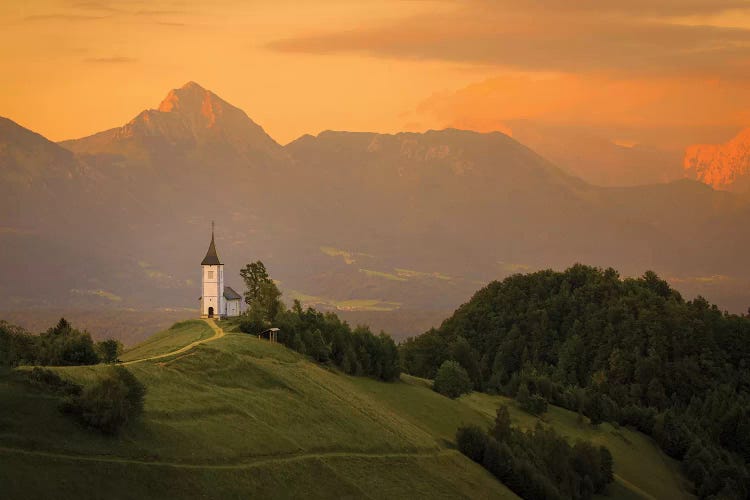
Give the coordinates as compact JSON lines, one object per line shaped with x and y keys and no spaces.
{"x":232,"y":308}
{"x":213,"y":288}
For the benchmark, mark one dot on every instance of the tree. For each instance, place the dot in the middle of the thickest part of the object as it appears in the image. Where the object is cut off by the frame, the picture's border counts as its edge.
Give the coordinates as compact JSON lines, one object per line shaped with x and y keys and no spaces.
{"x":451,"y":380}
{"x":461,"y":351}
{"x":472,"y":442}
{"x":63,"y":345}
{"x":253,"y":322}
{"x":502,"y":428}
{"x":261,"y":292}
{"x":523,"y":395}
{"x":109,"y":350}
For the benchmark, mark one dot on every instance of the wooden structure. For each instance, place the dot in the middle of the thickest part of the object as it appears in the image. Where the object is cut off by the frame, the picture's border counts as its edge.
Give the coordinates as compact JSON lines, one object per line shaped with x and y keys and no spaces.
{"x":271,"y":333}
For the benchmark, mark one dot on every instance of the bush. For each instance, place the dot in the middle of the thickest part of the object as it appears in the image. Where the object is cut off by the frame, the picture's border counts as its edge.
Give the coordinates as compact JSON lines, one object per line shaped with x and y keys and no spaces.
{"x":114,"y":400}
{"x":452,"y":380}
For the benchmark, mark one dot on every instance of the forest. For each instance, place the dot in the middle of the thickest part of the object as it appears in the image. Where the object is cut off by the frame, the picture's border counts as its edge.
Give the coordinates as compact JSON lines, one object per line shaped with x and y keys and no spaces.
{"x":631,"y":351}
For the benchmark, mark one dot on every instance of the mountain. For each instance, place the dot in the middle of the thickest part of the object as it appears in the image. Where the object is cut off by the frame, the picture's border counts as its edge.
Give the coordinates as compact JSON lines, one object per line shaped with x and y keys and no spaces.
{"x":239,"y":417}
{"x":189,"y":119}
{"x":596,"y":159}
{"x":723,"y":166}
{"x":359,"y":222}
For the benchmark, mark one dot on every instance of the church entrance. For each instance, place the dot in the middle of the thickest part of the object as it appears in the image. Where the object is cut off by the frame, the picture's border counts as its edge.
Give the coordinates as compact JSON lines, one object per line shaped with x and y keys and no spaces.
{"x":210,"y":312}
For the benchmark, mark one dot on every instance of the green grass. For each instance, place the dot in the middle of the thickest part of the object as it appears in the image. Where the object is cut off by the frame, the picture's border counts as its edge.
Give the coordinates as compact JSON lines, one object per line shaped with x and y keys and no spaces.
{"x":240,"y":417}
{"x":180,"y":334}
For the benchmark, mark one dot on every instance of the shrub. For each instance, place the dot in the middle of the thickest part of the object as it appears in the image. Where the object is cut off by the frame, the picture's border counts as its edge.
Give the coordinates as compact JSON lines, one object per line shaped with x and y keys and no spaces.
{"x":452,"y":380}
{"x":114,"y":400}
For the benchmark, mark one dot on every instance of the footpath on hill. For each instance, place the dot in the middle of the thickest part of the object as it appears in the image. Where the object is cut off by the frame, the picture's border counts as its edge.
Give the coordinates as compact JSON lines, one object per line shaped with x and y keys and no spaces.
{"x":218,"y":333}
{"x":260,"y":461}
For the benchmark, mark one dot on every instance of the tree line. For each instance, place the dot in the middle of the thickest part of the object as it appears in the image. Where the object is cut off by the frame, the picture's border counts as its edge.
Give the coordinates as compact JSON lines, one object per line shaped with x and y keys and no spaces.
{"x":320,"y":335}
{"x":630,"y":351}
{"x":60,"y":345}
{"x":537,"y":464}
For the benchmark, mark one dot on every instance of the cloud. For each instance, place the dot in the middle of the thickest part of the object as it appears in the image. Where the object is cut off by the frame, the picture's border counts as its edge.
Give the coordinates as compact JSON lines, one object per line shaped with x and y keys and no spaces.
{"x":565,"y":36}
{"x":634,"y":8}
{"x":111,"y":60}
{"x":99,"y":6}
{"x":160,"y":13}
{"x":590,"y":100}
{"x":63,"y":17}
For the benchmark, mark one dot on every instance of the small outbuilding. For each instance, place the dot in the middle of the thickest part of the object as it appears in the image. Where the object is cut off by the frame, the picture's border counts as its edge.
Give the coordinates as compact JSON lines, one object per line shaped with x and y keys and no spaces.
{"x":232,"y":302}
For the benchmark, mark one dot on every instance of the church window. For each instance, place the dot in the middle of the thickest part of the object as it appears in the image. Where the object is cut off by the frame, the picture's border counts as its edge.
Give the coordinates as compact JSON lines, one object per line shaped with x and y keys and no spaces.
{"x":210,"y":275}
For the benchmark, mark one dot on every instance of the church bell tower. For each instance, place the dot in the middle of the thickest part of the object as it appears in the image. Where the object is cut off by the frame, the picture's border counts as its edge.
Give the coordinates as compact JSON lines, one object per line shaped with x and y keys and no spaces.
{"x":212,"y":280}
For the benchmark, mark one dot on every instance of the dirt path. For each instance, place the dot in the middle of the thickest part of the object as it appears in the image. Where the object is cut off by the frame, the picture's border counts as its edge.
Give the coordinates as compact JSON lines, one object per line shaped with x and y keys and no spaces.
{"x":218,"y":333}
{"x":258,"y":462}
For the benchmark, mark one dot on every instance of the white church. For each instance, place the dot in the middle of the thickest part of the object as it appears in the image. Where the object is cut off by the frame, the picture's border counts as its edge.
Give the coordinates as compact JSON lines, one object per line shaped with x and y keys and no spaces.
{"x":217,"y":301}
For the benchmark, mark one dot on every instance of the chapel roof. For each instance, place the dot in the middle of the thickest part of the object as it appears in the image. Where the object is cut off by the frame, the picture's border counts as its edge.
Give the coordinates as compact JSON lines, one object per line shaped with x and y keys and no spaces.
{"x":230,"y":294}
{"x":211,"y":258}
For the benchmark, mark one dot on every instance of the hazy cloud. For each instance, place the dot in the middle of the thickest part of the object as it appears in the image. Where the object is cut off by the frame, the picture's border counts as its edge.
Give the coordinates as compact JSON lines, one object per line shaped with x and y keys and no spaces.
{"x":95,"y":6}
{"x":111,"y":60}
{"x":160,"y":13}
{"x":63,"y":17}
{"x":588,"y":36}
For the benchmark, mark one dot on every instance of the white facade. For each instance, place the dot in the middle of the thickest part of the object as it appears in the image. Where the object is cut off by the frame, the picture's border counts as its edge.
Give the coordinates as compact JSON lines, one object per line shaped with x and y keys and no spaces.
{"x":212,"y":300}
{"x":231,"y":307}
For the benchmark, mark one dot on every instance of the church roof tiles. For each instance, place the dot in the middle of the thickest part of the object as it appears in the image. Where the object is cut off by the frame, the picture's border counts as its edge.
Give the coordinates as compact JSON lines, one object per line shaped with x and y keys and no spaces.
{"x":211,"y":258}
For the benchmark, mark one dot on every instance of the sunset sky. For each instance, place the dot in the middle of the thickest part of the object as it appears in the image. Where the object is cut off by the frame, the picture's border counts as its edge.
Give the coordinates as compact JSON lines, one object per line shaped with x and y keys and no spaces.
{"x":671,"y":72}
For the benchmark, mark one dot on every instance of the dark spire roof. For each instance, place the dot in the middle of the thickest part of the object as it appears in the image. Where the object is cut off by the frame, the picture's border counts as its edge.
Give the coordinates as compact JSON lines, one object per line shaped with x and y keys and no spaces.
{"x":211,"y":258}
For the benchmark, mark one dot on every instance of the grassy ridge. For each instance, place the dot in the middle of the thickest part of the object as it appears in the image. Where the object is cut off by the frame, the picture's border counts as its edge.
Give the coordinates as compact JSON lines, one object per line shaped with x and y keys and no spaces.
{"x":179,"y":335}
{"x":240,"y":416}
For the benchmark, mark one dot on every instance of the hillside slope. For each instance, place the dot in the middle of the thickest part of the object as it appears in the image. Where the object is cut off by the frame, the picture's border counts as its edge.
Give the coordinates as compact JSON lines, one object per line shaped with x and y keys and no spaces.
{"x":240,"y":417}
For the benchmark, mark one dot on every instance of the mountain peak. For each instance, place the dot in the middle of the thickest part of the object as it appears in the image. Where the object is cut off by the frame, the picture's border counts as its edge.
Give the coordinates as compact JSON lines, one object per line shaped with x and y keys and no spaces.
{"x":192,"y":99}
{"x":723,"y":166}
{"x":190,"y":114}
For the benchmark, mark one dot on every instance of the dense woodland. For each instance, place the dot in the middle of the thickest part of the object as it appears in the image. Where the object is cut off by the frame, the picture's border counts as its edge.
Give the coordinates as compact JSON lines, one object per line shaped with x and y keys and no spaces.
{"x":60,"y":345}
{"x":538,"y":464}
{"x":327,"y":339}
{"x":322,"y":336}
{"x":630,"y":351}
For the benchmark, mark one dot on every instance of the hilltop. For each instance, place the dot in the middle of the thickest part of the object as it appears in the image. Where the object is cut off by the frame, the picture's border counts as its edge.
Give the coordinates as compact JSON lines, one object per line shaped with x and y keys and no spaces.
{"x":236,"y":416}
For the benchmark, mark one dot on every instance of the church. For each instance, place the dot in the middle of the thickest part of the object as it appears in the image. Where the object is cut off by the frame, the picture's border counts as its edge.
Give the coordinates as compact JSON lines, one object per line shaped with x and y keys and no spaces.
{"x":217,"y":301}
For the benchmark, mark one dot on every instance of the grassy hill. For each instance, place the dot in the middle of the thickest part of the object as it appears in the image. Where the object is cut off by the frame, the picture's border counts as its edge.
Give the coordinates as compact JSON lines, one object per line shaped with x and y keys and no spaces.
{"x":239,"y":417}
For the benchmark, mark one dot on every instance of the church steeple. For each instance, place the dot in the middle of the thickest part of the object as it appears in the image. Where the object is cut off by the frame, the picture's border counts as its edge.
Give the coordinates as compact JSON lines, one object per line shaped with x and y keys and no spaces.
{"x":211,"y":258}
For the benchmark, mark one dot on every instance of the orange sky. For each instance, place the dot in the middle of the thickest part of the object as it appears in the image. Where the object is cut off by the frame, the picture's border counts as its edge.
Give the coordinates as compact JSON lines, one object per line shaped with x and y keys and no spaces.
{"x":674,"y":71}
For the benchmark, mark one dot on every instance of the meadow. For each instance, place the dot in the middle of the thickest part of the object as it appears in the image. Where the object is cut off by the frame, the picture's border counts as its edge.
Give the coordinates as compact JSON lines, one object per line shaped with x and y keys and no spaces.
{"x":238,"y":416}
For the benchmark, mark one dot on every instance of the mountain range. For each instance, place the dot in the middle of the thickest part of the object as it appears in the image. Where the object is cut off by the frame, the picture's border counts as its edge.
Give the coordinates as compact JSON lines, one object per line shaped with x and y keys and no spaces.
{"x":362,"y":222}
